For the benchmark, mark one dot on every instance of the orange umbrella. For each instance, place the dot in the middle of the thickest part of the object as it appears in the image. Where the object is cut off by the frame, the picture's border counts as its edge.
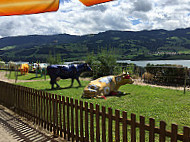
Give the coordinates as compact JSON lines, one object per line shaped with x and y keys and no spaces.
{"x":18,"y":7}
{"x":93,"y":2}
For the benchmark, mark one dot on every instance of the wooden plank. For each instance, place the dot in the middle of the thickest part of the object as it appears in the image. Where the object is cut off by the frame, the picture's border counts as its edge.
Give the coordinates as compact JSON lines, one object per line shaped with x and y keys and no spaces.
{"x":151,"y":132}
{"x":117,"y":130}
{"x":72,"y":119}
{"x":86,"y":123}
{"x":76,"y":121}
{"x":91,"y":123}
{"x":36,"y":97}
{"x":34,"y":100}
{"x":174,"y":133}
{"x":81,"y":122}
{"x":162,"y":137}
{"x":44,"y":110}
{"x":133,"y":127}
{"x":124,"y":120}
{"x":103,"y":124}
{"x":97,"y":123}
{"x":27,"y":103}
{"x":56,"y":115}
{"x":47,"y":113}
{"x":64,"y":119}
{"x":21,"y":101}
{"x":50,"y":111}
{"x":110,"y":136}
{"x":29,"y":109}
{"x":60,"y":118}
{"x":142,"y":129}
{"x":68,"y":120}
{"x":41,"y":105}
{"x":186,"y":134}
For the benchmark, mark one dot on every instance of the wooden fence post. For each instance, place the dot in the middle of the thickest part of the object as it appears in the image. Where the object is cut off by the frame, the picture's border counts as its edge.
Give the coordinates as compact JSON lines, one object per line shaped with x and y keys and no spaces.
{"x":162,"y":137}
{"x":174,"y":133}
{"x":72,"y":119}
{"x":97,"y":123}
{"x":103,"y":124}
{"x":186,"y":134}
{"x":68,"y":119}
{"x":117,"y":130}
{"x":64,"y":119}
{"x":76,"y":121}
{"x":81,"y":121}
{"x":133,"y":127}
{"x":151,"y":132}
{"x":91,"y":123}
{"x":110,"y":136}
{"x":124,"y":120}
{"x":142,"y":129}
{"x":86,"y":122}
{"x":60,"y":117}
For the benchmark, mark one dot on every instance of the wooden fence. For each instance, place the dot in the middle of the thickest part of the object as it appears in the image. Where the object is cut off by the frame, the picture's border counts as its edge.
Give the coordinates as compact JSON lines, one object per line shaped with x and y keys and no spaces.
{"x":81,"y":121}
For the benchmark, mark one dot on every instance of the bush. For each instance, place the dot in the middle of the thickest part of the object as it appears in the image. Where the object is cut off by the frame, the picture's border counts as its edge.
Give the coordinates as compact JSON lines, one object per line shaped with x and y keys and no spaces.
{"x":168,"y":74}
{"x":102,"y":64}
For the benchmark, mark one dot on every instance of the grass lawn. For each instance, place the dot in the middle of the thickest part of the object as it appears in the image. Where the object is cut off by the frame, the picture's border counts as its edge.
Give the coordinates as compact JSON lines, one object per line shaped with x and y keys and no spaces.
{"x":29,"y":76}
{"x":169,"y":105}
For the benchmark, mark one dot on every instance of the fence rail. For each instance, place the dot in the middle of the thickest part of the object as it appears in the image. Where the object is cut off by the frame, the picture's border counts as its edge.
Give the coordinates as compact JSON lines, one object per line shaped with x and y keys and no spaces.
{"x":81,"y":121}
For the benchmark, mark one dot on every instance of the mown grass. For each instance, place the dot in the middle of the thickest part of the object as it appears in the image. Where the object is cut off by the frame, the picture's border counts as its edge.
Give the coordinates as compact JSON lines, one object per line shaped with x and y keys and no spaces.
{"x":29,"y":76}
{"x":171,"y":106}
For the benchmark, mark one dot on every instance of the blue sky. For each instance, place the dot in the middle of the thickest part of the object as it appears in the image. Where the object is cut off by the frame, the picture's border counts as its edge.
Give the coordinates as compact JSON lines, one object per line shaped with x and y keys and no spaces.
{"x":124,"y":15}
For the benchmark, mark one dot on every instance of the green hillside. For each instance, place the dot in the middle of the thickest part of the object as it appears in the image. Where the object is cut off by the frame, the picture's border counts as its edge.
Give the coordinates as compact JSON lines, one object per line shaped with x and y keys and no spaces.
{"x":155,"y":44}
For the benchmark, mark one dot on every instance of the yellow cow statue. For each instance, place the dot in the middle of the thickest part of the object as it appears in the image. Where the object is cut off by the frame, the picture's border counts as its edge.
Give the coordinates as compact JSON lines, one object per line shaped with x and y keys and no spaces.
{"x":107,"y":85}
{"x":24,"y":68}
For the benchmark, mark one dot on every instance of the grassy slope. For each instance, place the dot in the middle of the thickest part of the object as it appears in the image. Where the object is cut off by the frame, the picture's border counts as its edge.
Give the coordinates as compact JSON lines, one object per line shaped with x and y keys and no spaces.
{"x":169,"y":105}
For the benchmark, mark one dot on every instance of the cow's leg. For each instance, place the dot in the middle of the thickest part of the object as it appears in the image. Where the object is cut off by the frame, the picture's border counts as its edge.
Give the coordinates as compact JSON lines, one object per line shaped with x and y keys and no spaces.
{"x":57,"y":85}
{"x":78,"y":81}
{"x":72,"y":80}
{"x":52,"y":83}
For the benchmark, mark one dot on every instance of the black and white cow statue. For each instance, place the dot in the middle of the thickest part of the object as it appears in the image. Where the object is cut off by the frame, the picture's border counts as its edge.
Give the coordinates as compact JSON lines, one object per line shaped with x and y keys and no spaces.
{"x":57,"y":72}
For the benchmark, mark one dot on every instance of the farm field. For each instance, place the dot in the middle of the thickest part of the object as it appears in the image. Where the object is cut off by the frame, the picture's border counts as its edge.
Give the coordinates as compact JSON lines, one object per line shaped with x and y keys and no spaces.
{"x":171,"y":106}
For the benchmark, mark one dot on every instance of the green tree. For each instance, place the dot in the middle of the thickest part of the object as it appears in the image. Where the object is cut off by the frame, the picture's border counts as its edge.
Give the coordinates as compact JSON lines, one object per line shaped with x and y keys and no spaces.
{"x":104,"y":63}
{"x":50,"y":58}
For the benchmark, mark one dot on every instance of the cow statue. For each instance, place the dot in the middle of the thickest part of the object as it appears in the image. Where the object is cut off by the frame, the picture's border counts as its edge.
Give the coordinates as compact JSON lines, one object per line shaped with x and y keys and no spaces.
{"x":40,"y":68}
{"x":107,"y":85}
{"x":24,"y":68}
{"x":57,"y":72}
{"x":2,"y":64}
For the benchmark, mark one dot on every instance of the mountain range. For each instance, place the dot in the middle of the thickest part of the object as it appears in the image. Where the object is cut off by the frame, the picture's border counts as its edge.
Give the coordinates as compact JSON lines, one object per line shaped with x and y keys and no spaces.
{"x":139,"y":45}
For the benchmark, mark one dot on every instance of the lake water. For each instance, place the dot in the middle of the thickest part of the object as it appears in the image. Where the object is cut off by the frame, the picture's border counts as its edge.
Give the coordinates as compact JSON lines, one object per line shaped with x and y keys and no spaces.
{"x":185,"y":63}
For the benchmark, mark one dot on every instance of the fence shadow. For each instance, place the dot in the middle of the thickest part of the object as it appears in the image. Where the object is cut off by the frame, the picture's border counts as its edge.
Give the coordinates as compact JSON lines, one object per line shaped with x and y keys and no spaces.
{"x":20,"y":130}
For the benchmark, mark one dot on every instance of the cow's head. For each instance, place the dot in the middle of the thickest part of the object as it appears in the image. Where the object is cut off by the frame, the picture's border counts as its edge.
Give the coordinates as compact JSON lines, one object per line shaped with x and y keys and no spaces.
{"x":124,"y":78}
{"x":87,"y":67}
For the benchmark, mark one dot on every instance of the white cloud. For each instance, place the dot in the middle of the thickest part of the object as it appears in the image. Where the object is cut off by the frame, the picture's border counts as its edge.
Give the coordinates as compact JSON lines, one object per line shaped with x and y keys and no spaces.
{"x":74,"y":18}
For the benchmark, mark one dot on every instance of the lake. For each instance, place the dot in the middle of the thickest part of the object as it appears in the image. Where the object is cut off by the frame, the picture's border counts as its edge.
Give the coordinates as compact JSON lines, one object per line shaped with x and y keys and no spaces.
{"x":185,"y":63}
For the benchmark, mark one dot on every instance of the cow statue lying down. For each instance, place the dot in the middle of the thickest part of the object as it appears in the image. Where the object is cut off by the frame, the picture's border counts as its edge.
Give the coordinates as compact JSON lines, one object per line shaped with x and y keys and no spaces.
{"x":107,"y":85}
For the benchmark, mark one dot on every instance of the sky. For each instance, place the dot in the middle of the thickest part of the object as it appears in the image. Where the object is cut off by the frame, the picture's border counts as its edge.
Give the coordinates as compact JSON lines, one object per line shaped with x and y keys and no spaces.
{"x":124,"y":15}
